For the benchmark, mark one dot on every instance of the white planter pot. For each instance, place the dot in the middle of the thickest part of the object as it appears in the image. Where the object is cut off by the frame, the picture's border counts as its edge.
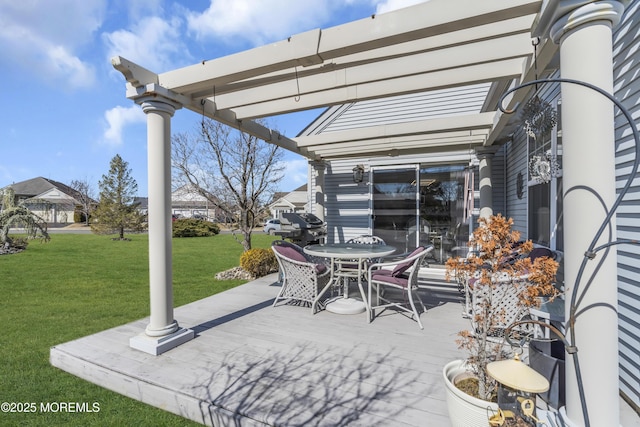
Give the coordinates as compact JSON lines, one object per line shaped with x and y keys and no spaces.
{"x":465,"y":410}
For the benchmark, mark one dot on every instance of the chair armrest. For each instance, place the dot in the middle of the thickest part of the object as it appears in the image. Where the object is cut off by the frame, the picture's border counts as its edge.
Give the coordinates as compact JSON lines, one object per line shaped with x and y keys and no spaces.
{"x":379,"y":265}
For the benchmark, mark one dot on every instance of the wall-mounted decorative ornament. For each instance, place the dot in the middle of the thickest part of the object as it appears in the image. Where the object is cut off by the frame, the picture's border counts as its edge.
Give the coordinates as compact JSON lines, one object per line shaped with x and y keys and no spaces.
{"x":543,"y":167}
{"x":520,"y":185}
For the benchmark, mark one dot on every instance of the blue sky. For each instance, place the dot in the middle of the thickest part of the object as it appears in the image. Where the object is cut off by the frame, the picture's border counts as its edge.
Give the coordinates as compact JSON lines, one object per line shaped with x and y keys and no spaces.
{"x":63,"y":111}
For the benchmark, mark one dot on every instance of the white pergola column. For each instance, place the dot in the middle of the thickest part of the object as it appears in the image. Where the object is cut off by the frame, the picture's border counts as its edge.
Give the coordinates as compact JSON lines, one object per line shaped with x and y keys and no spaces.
{"x":162,"y":333}
{"x":485,"y":158}
{"x":584,"y":32}
{"x":318,"y":168}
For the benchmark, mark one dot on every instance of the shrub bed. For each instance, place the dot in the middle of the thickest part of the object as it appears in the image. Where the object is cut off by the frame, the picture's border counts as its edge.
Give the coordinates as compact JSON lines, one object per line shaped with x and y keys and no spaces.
{"x":259,"y":262}
{"x":189,"y":227}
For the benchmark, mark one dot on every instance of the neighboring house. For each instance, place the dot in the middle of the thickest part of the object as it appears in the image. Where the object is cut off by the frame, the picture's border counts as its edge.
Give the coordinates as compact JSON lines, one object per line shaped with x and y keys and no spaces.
{"x":142,"y":204}
{"x":295,"y":201}
{"x":53,"y":201}
{"x":186,"y":202}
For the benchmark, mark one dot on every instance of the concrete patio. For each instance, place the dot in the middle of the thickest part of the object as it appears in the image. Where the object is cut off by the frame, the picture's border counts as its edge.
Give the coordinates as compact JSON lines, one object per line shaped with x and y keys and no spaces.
{"x":253,"y":364}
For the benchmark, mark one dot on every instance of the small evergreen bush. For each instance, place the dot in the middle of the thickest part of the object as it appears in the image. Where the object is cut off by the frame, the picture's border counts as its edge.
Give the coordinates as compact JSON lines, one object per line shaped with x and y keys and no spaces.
{"x":259,"y":262}
{"x":79,"y":217}
{"x":189,"y":227}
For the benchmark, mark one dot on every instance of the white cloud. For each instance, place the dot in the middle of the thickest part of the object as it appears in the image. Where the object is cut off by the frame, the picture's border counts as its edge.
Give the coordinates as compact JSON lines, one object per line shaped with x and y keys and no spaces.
{"x":262,"y":22}
{"x":152,"y":43}
{"x":138,"y":9}
{"x":119,"y":117}
{"x":257,"y":22}
{"x":295,"y":173}
{"x":389,"y":5}
{"x":45,"y":37}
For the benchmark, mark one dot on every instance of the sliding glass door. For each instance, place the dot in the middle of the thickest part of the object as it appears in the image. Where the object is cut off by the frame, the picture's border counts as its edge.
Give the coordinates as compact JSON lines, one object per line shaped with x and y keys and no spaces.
{"x":394,"y":201}
{"x":446,"y":205}
{"x":423,"y":205}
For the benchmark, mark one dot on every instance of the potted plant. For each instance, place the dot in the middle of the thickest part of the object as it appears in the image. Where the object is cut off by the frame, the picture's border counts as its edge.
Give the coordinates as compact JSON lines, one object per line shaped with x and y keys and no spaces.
{"x":502,"y":282}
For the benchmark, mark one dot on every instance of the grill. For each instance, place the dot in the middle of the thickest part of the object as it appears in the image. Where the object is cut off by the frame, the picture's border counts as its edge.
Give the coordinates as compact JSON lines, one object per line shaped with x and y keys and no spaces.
{"x":302,"y":228}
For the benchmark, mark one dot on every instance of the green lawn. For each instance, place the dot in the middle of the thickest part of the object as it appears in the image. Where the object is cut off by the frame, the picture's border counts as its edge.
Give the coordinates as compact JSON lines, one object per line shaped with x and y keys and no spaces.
{"x":77,"y":285}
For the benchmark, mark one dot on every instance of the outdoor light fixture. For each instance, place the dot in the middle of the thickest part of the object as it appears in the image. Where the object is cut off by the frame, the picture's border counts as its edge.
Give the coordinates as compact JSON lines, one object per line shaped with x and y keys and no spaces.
{"x":358,"y":173}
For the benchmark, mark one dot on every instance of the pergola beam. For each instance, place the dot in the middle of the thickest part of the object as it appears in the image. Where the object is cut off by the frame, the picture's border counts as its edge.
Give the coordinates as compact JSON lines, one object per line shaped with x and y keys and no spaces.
{"x":134,"y":74}
{"x":402,"y":138}
{"x":437,"y":126}
{"x":442,"y":42}
{"x":317,"y":47}
{"x":486,"y":51}
{"x":478,"y":73}
{"x":228,"y":117}
{"x":425,"y":47}
{"x":402,"y":145}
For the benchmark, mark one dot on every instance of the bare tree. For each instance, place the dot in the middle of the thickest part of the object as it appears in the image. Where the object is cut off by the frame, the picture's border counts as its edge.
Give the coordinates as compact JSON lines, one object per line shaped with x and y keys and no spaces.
{"x":85,"y":196}
{"x":234,"y":171}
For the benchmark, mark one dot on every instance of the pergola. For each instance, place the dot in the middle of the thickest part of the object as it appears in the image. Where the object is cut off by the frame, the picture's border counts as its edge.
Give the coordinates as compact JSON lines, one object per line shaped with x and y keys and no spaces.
{"x":425,"y":47}
{"x":431,"y":46}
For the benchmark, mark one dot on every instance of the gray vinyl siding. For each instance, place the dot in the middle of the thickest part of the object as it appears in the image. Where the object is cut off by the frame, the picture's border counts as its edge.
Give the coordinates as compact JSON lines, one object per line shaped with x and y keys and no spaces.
{"x":627,"y":90}
{"x":515,"y":151}
{"x":347,"y":210}
{"x":347,"y":204}
{"x":499,"y":182}
{"x":517,"y":161}
{"x":401,"y":109}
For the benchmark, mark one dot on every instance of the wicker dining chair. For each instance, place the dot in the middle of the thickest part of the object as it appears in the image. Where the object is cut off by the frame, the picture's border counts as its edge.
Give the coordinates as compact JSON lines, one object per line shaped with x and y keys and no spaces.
{"x":301,"y":275}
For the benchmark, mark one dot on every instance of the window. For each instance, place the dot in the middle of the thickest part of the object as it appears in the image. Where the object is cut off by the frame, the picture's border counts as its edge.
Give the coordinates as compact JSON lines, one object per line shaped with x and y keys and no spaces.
{"x":545,"y":197}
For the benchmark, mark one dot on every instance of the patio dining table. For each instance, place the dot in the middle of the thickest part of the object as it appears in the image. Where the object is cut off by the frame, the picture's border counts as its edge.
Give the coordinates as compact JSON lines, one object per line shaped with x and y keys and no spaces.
{"x":348,"y":261}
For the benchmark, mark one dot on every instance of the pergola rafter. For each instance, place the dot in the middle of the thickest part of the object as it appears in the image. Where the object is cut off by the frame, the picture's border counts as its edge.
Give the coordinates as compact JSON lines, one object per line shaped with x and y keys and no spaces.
{"x":426,"y":47}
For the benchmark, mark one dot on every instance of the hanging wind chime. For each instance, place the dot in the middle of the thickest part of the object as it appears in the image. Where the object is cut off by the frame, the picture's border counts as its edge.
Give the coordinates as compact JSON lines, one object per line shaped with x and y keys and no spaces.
{"x":539,"y":118}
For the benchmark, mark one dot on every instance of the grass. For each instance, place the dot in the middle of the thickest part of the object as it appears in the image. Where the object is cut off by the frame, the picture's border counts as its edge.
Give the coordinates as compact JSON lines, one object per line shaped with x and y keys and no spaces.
{"x":77,"y":285}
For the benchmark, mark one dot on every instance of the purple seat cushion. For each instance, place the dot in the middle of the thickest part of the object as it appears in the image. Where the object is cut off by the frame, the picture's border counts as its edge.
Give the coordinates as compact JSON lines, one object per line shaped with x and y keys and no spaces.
{"x":295,"y":255}
{"x":321,"y":268}
{"x":383,"y":272}
{"x":393,"y":280}
{"x":404,"y":266}
{"x":540,"y":252}
{"x":291,"y":253}
{"x":352,"y":266}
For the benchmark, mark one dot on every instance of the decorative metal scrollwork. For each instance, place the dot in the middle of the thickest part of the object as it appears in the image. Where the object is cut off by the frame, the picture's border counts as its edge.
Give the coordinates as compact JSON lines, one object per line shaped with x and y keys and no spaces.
{"x":539,"y":117}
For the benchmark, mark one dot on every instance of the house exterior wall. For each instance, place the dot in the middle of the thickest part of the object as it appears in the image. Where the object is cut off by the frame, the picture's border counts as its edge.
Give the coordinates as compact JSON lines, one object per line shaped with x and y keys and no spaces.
{"x":516,"y":161}
{"x":627,"y":90}
{"x":402,"y":109}
{"x":515,"y":155}
{"x":626,"y":69}
{"x":53,"y":213}
{"x":189,"y":203}
{"x":348,"y":205}
{"x":499,"y":182}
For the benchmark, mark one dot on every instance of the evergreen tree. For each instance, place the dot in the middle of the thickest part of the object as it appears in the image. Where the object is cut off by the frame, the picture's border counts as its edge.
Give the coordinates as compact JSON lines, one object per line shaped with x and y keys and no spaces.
{"x":117,"y":210}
